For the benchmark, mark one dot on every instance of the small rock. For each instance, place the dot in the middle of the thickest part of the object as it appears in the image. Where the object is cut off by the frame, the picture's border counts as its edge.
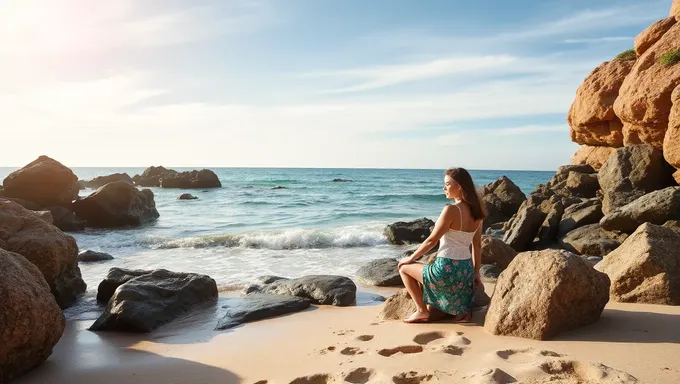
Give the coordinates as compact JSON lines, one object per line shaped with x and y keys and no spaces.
{"x":187,"y":196}
{"x":89,"y":256}
{"x":341,"y":181}
{"x":381,"y":273}
{"x":257,"y":306}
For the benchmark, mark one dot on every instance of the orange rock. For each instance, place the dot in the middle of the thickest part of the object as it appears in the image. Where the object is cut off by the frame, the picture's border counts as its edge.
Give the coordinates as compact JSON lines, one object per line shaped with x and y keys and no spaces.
{"x":671,"y":142}
{"x":675,"y":10}
{"x":644,"y":101}
{"x":591,"y":117}
{"x":593,"y":156}
{"x":651,"y":35}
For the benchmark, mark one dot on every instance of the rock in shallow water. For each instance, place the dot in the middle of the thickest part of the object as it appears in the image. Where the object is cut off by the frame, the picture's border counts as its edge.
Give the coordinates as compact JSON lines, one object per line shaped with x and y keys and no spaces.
{"x":144,"y":303}
{"x":89,"y":256}
{"x":258,"y":306}
{"x":319,"y":289}
{"x":381,"y":273}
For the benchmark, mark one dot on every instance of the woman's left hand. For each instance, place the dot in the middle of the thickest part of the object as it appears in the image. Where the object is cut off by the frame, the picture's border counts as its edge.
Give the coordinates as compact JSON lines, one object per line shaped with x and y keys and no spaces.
{"x":404,"y":261}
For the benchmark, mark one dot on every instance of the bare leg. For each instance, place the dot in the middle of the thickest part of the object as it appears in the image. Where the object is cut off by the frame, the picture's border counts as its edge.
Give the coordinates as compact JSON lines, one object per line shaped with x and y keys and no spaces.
{"x":411,"y":275}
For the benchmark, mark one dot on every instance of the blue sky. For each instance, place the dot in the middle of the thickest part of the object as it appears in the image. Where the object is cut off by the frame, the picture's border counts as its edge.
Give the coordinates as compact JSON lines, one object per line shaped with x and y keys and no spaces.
{"x":303,"y":83}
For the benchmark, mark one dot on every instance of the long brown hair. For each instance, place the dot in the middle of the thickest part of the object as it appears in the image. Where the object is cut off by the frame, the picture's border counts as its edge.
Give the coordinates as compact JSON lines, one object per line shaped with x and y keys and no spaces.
{"x":470,"y":195}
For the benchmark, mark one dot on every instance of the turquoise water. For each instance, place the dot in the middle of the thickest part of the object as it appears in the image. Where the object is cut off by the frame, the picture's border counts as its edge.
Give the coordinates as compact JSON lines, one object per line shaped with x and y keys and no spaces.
{"x":247,"y":229}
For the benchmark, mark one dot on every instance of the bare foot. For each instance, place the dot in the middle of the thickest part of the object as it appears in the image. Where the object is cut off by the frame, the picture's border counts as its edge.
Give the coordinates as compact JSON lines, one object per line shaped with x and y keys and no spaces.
{"x":464,"y":318}
{"x":418,"y":317}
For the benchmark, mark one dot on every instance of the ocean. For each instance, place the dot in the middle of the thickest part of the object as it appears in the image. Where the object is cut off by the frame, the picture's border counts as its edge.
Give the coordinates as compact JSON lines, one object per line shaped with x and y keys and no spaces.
{"x":247,"y":228}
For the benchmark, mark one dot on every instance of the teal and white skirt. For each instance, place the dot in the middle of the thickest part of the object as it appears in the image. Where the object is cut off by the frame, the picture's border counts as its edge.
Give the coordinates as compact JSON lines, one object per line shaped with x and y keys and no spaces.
{"x":448,"y":285}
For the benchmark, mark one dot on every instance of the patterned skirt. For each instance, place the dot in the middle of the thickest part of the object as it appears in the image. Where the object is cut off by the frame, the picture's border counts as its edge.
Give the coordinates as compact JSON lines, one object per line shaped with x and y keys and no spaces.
{"x":448,"y":285}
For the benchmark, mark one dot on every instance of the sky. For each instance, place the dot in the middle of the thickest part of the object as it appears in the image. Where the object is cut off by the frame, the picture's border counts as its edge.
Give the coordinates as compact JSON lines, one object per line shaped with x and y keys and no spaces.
{"x":480,"y":84}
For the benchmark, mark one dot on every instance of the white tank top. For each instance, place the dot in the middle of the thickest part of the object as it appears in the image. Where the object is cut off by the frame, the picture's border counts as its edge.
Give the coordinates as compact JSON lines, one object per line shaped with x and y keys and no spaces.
{"x":455,"y":244}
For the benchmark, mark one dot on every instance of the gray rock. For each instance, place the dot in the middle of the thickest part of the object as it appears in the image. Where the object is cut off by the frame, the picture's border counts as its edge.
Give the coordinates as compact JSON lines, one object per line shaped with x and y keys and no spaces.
{"x":204,"y":178}
{"x":187,"y":196}
{"x":502,"y":199}
{"x":257,"y":307}
{"x":495,"y":251}
{"x":101,"y":181}
{"x":114,"y":279}
{"x":655,"y":207}
{"x":411,"y":232}
{"x":582,"y":184}
{"x":319,"y":289}
{"x":381,"y":273}
{"x":592,"y":240}
{"x":151,"y":177}
{"x":89,"y":256}
{"x":526,"y":224}
{"x":66,"y":220}
{"x":117,"y":204}
{"x":631,"y":172}
{"x":563,"y":172}
{"x":550,"y":228}
{"x":578,"y":215}
{"x":146,"y":302}
{"x":489,"y":273}
{"x":646,"y":267}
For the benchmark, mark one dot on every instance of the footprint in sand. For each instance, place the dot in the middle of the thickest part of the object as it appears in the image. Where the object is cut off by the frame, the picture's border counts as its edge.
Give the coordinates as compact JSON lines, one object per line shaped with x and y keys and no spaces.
{"x":365,"y":337}
{"x":344,"y":332}
{"x":428,"y":337}
{"x":351,"y":351}
{"x":359,"y":376}
{"x":405,"y":349}
{"x":580,"y":372}
{"x":458,"y":339}
{"x":491,"y":376}
{"x":261,"y":382}
{"x":525,"y":355}
{"x":319,"y":378}
{"x":411,"y":377}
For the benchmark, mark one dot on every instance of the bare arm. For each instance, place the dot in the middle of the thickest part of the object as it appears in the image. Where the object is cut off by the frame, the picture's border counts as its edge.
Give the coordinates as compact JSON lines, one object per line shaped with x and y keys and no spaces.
{"x":449,"y":213}
{"x":477,"y":249}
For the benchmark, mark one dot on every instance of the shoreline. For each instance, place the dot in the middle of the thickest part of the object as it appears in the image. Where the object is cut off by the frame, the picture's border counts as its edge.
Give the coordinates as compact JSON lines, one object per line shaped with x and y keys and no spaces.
{"x":640,"y":339}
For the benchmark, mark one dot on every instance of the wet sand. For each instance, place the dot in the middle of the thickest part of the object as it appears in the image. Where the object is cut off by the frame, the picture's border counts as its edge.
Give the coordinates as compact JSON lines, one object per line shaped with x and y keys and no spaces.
{"x":349,"y":345}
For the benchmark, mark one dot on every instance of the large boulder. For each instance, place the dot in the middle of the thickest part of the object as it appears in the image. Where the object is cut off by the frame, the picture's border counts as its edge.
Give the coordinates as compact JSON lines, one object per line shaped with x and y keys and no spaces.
{"x":146,"y":302}
{"x":549,"y":230}
{"x":495,"y":251}
{"x":381,"y":273}
{"x":544,"y":293}
{"x":593,"y":156}
{"x":647,"y":38}
{"x":44,"y":181}
{"x":400,"y":305}
{"x":204,"y":178}
{"x":644,"y":101}
{"x":646,"y":267}
{"x":114,"y":279}
{"x":655,"y":207}
{"x":319,"y":289}
{"x":31,"y":322}
{"x":591,"y":118}
{"x":402,"y":232}
{"x":151,"y":177}
{"x":51,"y":250}
{"x":631,"y":172}
{"x":578,"y":215}
{"x":675,"y":10}
{"x":502,"y":199}
{"x":117,"y":204}
{"x":257,"y":306}
{"x":101,"y":181}
{"x":591,"y":240}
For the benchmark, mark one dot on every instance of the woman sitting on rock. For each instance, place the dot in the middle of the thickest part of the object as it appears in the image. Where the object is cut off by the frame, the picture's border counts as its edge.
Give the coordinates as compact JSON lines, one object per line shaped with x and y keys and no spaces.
{"x":448,"y":283}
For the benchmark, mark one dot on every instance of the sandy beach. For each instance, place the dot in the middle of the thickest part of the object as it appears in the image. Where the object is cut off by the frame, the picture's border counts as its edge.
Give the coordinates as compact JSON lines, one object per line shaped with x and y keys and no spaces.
{"x":350,"y":345}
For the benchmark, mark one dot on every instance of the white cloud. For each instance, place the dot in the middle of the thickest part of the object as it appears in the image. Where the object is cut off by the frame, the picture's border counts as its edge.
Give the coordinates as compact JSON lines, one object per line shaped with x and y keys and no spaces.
{"x":598,"y":40}
{"x":383,"y":76}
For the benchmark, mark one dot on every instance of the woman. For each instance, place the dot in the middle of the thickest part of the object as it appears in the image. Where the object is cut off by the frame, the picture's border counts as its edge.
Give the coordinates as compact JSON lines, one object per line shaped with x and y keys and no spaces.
{"x":448,"y":283}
